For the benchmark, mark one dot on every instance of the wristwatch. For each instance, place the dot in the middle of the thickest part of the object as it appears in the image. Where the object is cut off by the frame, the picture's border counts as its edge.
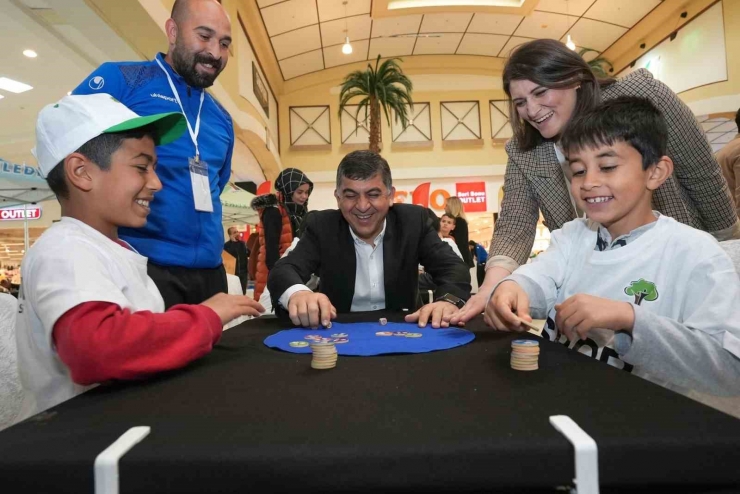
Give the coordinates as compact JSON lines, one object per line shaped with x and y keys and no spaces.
{"x":448,"y":297}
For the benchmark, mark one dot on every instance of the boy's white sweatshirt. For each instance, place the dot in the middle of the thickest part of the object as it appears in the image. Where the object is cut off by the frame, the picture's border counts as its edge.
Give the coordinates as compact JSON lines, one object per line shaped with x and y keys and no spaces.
{"x":684,"y":290}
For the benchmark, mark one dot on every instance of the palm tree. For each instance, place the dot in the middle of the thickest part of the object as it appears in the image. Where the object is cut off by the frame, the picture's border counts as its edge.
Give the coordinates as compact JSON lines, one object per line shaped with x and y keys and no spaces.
{"x":381,"y":87}
{"x":598,"y":65}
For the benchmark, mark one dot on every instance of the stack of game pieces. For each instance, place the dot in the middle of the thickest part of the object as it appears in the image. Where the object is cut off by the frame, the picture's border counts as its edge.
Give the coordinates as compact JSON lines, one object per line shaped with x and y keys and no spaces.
{"x":324,"y":355}
{"x":524,"y":355}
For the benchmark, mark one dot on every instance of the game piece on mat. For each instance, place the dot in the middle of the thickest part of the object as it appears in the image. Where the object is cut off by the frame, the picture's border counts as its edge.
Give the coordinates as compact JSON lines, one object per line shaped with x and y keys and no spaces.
{"x":525,"y":355}
{"x":298,"y":344}
{"x":384,"y":333}
{"x":383,"y":321}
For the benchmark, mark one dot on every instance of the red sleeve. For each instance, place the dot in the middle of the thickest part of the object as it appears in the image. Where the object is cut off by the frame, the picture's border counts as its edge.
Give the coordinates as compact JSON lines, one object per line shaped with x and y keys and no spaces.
{"x":99,"y":341}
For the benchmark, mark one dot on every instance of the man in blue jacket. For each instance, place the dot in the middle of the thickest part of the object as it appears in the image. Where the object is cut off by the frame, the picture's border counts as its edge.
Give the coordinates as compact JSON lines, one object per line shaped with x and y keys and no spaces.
{"x":183,"y":238}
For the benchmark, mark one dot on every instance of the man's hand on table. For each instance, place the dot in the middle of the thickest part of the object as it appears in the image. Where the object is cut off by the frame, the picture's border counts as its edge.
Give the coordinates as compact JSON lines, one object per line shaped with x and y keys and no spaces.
{"x":229,"y":307}
{"x":438,"y":313}
{"x":309,"y":309}
{"x":473,"y":307}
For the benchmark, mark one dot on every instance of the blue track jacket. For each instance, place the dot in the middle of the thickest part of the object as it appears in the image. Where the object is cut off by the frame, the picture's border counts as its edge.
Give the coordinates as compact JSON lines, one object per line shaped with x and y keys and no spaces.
{"x":175,"y":234}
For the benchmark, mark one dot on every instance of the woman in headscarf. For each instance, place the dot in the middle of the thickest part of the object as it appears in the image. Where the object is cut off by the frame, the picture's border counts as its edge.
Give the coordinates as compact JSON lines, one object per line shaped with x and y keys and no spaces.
{"x":280,"y":217}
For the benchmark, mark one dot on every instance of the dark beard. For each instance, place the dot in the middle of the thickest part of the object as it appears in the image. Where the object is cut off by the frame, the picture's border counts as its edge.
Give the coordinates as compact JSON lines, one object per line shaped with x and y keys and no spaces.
{"x":184,"y":64}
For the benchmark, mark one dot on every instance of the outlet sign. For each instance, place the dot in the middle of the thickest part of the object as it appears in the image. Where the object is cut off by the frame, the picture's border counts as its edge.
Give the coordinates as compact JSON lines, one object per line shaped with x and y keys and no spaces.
{"x":17,"y":213}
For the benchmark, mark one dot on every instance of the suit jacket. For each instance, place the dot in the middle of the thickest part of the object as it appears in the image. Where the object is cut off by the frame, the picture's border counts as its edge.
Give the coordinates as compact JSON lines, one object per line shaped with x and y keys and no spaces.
{"x":327,"y":249}
{"x":239,"y":250}
{"x":696,"y":194}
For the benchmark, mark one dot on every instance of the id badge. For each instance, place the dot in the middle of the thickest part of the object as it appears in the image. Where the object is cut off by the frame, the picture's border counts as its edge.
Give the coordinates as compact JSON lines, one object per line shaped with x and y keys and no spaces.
{"x":201,"y":187}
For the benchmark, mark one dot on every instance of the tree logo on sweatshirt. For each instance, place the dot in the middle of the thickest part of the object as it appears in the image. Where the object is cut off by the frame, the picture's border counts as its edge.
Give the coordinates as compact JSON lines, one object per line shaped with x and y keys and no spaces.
{"x":642,"y":290}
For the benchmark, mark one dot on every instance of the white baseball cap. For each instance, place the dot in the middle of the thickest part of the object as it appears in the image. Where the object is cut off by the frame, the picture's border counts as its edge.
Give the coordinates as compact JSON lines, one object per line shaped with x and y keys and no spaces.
{"x":63,"y":127}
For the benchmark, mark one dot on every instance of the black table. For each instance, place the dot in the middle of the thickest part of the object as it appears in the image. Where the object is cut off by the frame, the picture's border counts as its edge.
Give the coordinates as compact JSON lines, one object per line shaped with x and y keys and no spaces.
{"x":247,"y":418}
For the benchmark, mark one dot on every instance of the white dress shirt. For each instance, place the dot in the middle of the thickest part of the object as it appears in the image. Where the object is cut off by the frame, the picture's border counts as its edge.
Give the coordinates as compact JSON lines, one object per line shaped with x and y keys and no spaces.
{"x":369,"y":276}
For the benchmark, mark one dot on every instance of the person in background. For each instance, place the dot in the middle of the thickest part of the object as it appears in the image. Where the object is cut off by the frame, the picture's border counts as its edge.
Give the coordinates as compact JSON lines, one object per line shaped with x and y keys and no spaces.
{"x":253,"y":247}
{"x":547,"y":84}
{"x":454,"y":209}
{"x":239,"y":250}
{"x":446,"y":225}
{"x":281,"y":215}
{"x":183,"y":238}
{"x":481,"y":256}
{"x":312,"y":284}
{"x":729,"y":161}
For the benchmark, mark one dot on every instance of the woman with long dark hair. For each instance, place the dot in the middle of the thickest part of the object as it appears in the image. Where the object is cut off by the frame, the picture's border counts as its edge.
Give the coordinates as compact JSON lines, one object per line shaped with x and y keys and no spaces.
{"x":547,"y":84}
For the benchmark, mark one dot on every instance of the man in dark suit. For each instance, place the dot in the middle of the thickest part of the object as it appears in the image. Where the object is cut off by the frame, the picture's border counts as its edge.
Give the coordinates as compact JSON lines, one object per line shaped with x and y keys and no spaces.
{"x":367,"y":254}
{"x":239,"y":250}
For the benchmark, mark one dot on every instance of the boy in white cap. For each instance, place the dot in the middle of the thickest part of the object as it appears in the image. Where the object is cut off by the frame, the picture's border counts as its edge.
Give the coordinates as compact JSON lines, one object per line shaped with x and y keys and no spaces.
{"x":88,"y":311}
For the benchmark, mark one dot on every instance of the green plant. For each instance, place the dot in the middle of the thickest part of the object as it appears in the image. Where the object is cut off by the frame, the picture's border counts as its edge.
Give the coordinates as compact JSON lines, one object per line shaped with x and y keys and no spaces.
{"x":599,"y":66}
{"x":383,"y":86}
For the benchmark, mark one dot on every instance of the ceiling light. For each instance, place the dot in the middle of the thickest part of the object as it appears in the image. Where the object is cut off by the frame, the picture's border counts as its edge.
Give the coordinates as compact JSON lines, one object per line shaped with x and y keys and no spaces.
{"x":346,"y":47}
{"x":30,"y":53}
{"x":570,"y":44}
{"x":13,"y":86}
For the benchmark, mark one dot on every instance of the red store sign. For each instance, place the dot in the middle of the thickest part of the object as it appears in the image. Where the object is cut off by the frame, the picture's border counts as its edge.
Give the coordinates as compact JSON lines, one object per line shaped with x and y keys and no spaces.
{"x":15,"y":214}
{"x":471,"y":194}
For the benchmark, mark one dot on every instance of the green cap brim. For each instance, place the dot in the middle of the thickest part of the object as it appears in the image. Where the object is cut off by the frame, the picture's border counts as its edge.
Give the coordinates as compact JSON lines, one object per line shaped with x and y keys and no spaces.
{"x":169,"y":126}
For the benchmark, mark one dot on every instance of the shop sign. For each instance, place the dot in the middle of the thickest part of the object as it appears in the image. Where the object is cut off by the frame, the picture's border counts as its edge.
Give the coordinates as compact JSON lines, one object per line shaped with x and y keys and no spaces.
{"x":18,"y":213}
{"x":473,"y":196}
{"x":21,"y":170}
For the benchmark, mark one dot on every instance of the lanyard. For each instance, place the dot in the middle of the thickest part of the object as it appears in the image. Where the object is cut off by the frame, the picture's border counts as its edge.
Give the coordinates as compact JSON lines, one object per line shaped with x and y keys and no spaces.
{"x":193,"y":133}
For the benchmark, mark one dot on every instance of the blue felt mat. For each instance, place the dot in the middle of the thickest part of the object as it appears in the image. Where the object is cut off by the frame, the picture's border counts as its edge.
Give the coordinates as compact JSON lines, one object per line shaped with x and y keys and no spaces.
{"x":362,"y":339}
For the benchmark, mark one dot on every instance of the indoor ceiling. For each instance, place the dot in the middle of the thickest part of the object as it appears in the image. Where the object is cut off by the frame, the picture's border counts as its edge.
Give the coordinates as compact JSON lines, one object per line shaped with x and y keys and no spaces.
{"x":70,"y":41}
{"x":307,"y":35}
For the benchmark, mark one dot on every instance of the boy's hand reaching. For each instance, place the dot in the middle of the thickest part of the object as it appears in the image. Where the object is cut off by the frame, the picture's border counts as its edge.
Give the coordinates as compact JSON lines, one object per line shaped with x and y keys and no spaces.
{"x":229,"y":307}
{"x":507,"y":306}
{"x":581,"y":313}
